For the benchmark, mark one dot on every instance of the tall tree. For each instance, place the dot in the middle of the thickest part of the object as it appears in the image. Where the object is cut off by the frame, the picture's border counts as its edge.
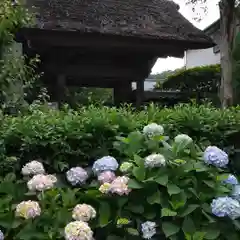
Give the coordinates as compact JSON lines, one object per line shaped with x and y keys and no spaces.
{"x":229,"y":27}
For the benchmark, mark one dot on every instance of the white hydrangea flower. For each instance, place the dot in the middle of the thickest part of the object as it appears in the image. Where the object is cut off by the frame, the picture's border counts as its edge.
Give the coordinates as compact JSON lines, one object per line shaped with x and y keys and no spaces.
{"x":78,"y":230}
{"x":33,"y":168}
{"x":83,"y":212}
{"x":77,"y":175}
{"x":215,"y":156}
{"x":106,"y":163}
{"x":28,"y":209}
{"x":148,"y":229}
{"x":226,"y":207}
{"x":153,"y":129}
{"x":41,"y":182}
{"x":1,"y":235}
{"x":183,"y":138}
{"x":155,"y":160}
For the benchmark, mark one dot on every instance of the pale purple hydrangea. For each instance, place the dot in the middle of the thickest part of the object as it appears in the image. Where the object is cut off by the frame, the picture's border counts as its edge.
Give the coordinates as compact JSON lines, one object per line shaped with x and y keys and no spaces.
{"x":1,"y":235}
{"x":236,"y":192}
{"x":106,"y":177}
{"x":231,"y":180}
{"x":77,"y":175}
{"x":148,"y":229}
{"x":106,"y":163}
{"x":226,"y":207}
{"x":215,"y":156}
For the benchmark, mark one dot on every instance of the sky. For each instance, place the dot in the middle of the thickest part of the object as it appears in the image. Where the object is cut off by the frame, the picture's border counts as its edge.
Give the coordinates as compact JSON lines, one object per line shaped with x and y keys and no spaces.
{"x":212,"y":15}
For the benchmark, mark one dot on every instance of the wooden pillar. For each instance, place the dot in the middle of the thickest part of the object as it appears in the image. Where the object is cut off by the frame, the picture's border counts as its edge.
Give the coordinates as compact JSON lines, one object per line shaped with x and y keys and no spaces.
{"x":61,"y":89}
{"x":122,"y":93}
{"x":139,"y":93}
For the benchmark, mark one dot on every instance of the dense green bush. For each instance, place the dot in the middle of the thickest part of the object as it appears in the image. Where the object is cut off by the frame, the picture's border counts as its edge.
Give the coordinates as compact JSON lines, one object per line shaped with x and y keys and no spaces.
{"x":70,"y":137}
{"x":177,"y":185}
{"x":204,"y":79}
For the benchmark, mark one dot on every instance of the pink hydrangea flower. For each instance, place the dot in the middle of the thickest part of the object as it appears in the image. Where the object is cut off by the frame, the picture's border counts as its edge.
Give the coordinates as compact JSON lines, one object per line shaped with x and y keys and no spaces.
{"x":106,"y":177}
{"x":119,"y":186}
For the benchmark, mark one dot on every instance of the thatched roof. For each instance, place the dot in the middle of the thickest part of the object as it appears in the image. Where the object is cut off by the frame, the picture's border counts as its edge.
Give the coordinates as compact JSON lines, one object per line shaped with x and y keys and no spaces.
{"x":145,"y":19}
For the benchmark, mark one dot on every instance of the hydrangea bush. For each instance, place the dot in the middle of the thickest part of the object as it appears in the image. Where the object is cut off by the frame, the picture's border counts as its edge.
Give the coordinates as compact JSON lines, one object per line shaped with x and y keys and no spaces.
{"x":159,"y":189}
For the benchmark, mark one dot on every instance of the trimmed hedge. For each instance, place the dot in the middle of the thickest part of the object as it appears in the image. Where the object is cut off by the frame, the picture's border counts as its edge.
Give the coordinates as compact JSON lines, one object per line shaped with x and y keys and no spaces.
{"x":63,"y":138}
{"x":205,"y":79}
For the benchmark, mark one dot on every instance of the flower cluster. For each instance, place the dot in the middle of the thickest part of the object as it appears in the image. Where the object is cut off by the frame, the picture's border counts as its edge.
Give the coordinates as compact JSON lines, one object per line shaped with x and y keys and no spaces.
{"x":41,"y":182}
{"x":126,"y":167}
{"x":83,"y":212}
{"x":155,"y":160}
{"x":28,"y":209}
{"x":152,"y":130}
{"x":77,"y":175}
{"x":223,"y":206}
{"x":148,"y":229}
{"x":183,"y":138}
{"x":1,"y":235}
{"x":33,"y":168}
{"x":216,"y":157}
{"x":106,"y":177}
{"x":106,"y":163}
{"x":78,"y":230}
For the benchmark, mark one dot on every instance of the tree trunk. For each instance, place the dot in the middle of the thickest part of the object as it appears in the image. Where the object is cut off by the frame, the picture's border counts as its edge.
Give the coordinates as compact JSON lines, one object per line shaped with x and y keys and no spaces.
{"x":227,"y":28}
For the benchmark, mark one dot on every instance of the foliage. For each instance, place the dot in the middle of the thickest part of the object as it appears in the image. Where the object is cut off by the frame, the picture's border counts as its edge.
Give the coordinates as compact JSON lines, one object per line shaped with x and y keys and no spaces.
{"x":236,"y":67}
{"x":12,"y":17}
{"x":204,"y":79}
{"x":86,"y":96}
{"x":176,"y":196}
{"x":17,"y":79}
{"x":68,"y":137}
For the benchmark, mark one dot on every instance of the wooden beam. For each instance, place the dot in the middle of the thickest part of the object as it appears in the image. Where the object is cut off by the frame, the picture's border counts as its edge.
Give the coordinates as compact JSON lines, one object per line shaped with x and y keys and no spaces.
{"x":160,"y":48}
{"x":139,"y":93}
{"x":91,"y":71}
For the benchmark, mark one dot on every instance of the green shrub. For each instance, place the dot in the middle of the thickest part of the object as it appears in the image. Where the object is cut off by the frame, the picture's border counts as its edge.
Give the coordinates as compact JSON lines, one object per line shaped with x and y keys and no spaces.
{"x":176,"y":194}
{"x":68,"y":137}
{"x":204,"y":79}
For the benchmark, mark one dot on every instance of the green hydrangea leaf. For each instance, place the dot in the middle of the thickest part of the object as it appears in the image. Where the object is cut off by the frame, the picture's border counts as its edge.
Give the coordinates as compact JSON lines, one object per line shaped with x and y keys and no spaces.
{"x":154,"y":198}
{"x":165,"y":212}
{"x":162,"y":180}
{"x":104,"y":214}
{"x":139,"y":173}
{"x":132,"y":183}
{"x":190,"y":208}
{"x":212,"y":233}
{"x":173,"y":189}
{"x":133,"y":231}
{"x":169,"y":229}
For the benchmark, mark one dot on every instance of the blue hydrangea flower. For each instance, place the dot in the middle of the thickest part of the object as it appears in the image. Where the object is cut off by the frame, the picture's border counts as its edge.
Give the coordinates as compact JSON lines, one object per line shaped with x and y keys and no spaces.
{"x":106,"y":163}
{"x":1,"y":235}
{"x":148,"y":229}
{"x":226,"y":207}
{"x":215,"y":156}
{"x":236,"y":192}
{"x":231,"y":180}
